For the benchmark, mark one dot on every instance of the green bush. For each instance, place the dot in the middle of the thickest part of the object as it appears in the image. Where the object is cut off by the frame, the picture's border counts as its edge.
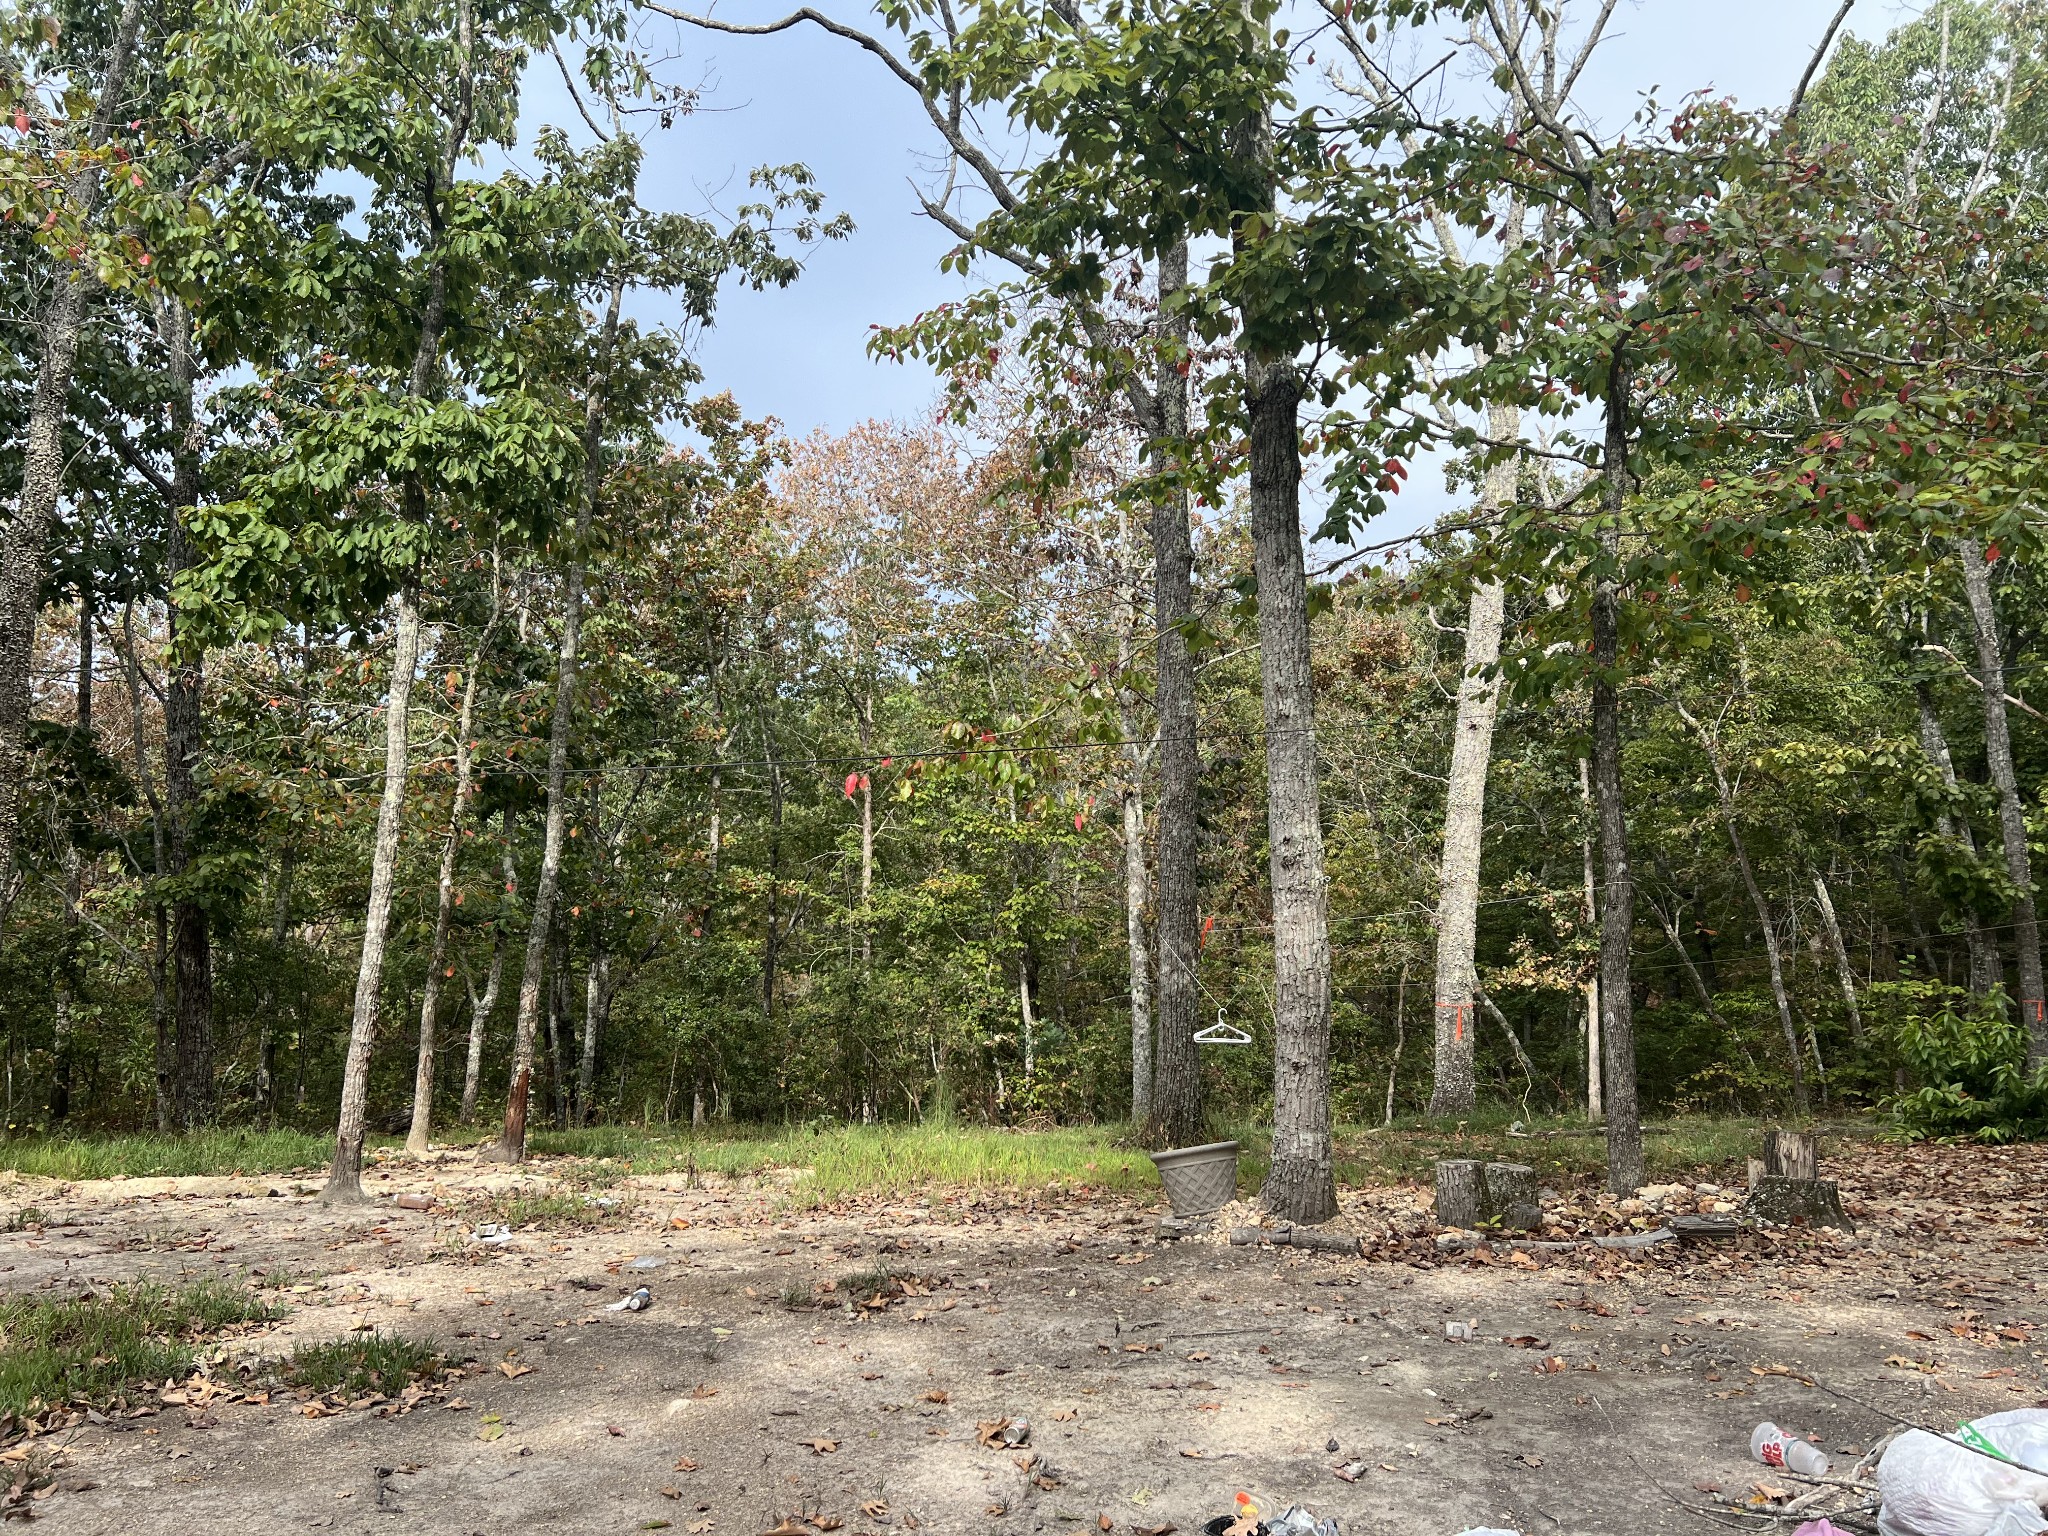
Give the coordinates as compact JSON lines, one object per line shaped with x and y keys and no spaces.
{"x":1969,"y":1058}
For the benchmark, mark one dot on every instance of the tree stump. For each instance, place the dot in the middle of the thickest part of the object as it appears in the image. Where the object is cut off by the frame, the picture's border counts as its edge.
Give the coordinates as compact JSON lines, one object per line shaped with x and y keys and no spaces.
{"x":1799,"y":1202}
{"x":1790,"y":1155}
{"x":1461,"y":1192}
{"x":1511,"y":1196}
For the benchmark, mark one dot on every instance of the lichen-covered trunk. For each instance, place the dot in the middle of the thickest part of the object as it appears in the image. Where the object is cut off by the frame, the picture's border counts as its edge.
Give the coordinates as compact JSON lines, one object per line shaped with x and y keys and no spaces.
{"x":344,"y":1182}
{"x":2012,"y":815}
{"x":1176,"y":1116}
{"x":1301,"y":1182}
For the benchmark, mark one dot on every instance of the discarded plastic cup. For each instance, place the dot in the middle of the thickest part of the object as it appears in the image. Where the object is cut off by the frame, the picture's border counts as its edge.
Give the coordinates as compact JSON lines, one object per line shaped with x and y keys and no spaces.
{"x":639,"y":1301}
{"x":1774,"y":1448}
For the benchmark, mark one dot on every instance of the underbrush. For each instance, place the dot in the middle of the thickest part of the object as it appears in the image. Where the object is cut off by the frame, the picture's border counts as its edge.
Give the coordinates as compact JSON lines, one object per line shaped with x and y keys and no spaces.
{"x":93,"y":1348}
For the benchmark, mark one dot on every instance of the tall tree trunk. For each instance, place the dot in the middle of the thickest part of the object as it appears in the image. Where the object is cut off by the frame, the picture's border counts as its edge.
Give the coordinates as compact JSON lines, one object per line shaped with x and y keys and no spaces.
{"x":1617,"y":903}
{"x":1987,"y":969}
{"x":558,"y":1024}
{"x":162,"y":1058}
{"x":1596,"y":1110}
{"x":1774,"y":959}
{"x":416,"y":1138}
{"x":1176,"y":1118}
{"x":2012,"y":816}
{"x":184,"y":734}
{"x":67,"y":978}
{"x":1457,"y":913}
{"x":1139,"y":949}
{"x":266,"y":1046}
{"x":1400,"y":1041}
{"x":27,"y":531}
{"x":1845,"y":973}
{"x":1301,"y":1183}
{"x":597,"y":1003}
{"x":481,"y":1007}
{"x":344,"y":1181}
{"x":511,"y":1147}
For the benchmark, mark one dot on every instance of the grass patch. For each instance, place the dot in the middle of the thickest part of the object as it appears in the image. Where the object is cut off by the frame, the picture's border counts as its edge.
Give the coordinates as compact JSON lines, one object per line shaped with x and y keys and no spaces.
{"x":200,"y":1153}
{"x":92,"y":1348}
{"x":361,"y":1365}
{"x":517,"y":1208}
{"x":896,"y":1161}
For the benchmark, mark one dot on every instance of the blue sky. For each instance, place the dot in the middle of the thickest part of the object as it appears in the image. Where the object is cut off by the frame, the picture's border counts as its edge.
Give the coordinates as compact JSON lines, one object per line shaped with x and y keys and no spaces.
{"x":802,"y":95}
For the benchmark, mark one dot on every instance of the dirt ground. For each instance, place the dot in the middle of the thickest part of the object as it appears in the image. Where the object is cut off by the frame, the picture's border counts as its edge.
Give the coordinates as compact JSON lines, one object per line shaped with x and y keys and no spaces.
{"x":1602,"y":1393}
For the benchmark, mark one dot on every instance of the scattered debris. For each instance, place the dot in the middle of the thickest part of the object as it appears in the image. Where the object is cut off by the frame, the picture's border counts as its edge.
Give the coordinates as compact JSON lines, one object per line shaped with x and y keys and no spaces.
{"x":639,"y":1301}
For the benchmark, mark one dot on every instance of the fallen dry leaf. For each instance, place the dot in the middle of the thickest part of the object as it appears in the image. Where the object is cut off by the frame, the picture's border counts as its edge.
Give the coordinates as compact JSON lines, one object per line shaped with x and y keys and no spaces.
{"x":512,"y":1369}
{"x":990,"y":1432}
{"x":874,"y":1509}
{"x":1064,"y":1415}
{"x":936,"y":1395}
{"x":821,"y":1447}
{"x":684,"y":1464}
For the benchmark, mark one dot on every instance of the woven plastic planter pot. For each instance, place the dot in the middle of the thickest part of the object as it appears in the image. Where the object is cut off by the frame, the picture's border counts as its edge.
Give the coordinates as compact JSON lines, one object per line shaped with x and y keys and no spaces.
{"x":1199,"y":1180}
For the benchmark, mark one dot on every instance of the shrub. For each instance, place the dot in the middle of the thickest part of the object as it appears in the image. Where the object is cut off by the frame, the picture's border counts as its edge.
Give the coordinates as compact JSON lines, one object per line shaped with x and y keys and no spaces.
{"x":1969,"y":1057}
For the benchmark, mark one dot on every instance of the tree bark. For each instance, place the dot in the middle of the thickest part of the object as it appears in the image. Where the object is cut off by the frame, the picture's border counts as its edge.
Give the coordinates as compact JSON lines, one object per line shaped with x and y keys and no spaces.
{"x":1400,"y":1041}
{"x":1453,"y":1090}
{"x":1845,"y":973}
{"x":1595,"y":1110}
{"x":1135,"y":894}
{"x":417,"y":1136}
{"x":481,"y":1007}
{"x":1987,"y":968}
{"x":511,"y":1148}
{"x":1617,"y":903}
{"x":162,"y":1058}
{"x":27,"y":532}
{"x":184,"y":734}
{"x":344,"y":1181}
{"x":67,"y":978}
{"x":597,"y":1002}
{"x":1301,"y":1182}
{"x":1176,"y":1116}
{"x":2012,"y":816}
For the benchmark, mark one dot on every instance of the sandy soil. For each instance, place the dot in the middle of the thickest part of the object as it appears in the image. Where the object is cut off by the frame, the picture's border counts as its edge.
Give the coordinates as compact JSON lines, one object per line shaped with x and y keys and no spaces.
{"x":1158,"y":1379}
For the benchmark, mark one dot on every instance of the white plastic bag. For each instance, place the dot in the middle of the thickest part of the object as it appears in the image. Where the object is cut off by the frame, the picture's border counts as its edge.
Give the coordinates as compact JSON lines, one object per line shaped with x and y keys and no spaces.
{"x":1935,"y":1485}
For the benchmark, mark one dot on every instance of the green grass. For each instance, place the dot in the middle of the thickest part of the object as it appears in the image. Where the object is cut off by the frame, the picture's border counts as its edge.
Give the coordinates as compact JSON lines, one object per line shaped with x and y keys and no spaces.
{"x":361,"y":1365}
{"x":92,"y":1348}
{"x":844,"y":1162}
{"x":202,"y":1152}
{"x":529,"y":1208}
